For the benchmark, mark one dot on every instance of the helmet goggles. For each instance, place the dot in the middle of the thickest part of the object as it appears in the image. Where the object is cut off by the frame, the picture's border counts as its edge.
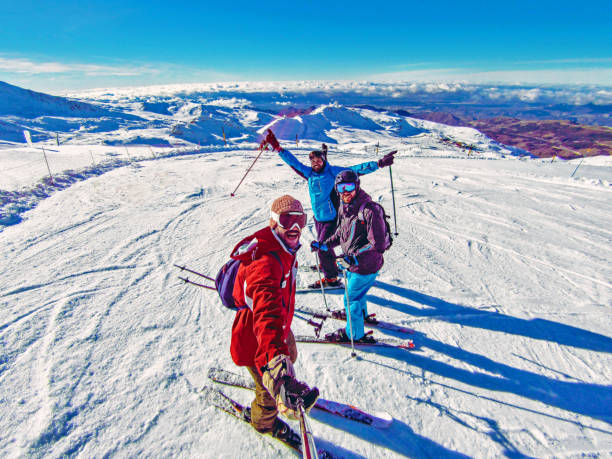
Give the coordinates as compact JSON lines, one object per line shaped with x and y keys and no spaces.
{"x":346,"y":187}
{"x":288,"y":220}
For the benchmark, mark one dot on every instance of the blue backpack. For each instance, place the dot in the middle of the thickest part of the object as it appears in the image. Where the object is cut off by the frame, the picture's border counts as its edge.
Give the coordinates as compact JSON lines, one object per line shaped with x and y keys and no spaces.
{"x":226,"y":277}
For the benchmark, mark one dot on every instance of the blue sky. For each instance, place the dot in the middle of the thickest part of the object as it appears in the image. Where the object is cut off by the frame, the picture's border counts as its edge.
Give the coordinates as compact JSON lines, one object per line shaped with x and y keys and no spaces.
{"x":68,"y":44}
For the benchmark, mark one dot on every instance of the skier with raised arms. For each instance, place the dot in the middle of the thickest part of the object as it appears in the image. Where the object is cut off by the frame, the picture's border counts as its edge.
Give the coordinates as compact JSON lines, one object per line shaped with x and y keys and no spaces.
{"x":321,"y":176}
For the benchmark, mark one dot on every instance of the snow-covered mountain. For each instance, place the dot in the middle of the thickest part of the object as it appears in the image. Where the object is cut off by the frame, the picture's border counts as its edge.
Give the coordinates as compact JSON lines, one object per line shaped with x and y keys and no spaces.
{"x":501,"y":265}
{"x":16,"y":101}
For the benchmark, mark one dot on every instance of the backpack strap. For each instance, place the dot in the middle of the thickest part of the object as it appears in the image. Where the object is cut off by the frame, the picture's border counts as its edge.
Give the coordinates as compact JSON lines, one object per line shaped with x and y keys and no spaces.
{"x":278,"y":258}
{"x":360,"y":213}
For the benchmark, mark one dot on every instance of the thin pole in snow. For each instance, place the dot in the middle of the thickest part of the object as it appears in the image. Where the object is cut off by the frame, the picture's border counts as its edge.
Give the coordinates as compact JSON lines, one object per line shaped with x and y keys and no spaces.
{"x":577,"y":167}
{"x":47,"y":161}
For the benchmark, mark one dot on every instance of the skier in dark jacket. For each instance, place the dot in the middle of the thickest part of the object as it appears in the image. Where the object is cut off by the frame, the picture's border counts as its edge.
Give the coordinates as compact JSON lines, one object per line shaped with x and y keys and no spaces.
{"x":361,"y":233}
{"x":321,"y":175}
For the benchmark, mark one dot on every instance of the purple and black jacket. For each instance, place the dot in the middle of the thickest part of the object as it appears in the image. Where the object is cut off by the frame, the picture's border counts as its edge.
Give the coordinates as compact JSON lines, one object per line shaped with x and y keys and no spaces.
{"x":364,"y":239}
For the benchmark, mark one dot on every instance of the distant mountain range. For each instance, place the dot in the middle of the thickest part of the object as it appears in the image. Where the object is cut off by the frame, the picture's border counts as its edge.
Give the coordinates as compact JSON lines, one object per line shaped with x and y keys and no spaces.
{"x":561,"y":121}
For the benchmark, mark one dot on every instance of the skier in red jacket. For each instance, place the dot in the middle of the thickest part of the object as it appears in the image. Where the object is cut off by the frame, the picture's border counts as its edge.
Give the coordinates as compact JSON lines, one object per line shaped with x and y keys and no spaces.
{"x":264,"y":292}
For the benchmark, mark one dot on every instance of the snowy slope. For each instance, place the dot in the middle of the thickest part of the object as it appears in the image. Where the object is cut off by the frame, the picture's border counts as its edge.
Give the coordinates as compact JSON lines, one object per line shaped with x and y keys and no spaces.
{"x":501,"y":265}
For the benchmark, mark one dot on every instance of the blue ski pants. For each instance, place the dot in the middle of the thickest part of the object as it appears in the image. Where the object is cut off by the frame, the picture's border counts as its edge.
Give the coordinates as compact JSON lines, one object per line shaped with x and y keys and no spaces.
{"x":357,"y":286}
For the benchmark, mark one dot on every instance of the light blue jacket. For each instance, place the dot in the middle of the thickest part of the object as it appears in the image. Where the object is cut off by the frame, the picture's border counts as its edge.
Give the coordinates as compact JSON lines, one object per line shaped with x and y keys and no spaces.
{"x":321,"y":184}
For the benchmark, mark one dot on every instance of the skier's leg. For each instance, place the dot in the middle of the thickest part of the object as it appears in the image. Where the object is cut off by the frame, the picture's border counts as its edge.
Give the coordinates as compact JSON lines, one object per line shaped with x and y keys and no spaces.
{"x":263,"y":408}
{"x":327,"y":258}
{"x":357,"y":288}
{"x":293,"y":352}
{"x":369,"y":281}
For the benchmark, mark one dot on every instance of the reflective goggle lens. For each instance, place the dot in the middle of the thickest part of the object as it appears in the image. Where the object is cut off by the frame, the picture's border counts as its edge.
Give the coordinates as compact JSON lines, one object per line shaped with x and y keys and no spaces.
{"x":345,"y":187}
{"x":288,"y":220}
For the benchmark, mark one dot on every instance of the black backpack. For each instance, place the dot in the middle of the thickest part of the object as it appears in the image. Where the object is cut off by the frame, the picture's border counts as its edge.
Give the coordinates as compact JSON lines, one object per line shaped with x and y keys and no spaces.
{"x":388,"y":237}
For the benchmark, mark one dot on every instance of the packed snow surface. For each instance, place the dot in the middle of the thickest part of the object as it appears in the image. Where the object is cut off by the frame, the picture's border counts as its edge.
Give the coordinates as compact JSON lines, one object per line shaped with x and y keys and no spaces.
{"x":501,"y":265}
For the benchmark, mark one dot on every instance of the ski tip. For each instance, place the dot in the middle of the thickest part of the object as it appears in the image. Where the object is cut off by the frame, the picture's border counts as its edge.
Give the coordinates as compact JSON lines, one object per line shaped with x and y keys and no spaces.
{"x":384,"y":419}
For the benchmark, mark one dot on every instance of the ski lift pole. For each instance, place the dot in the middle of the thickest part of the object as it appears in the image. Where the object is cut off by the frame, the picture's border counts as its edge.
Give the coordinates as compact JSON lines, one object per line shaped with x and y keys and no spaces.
{"x":47,"y":161}
{"x":393,"y":197}
{"x":261,"y":150}
{"x":309,"y":448}
{"x":577,"y":167}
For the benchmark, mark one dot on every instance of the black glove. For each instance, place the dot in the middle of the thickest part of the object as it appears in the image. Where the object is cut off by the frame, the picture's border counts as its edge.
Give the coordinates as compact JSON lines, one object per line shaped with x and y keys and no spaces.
{"x":278,"y":377}
{"x":316,"y":245}
{"x":347,"y":261}
{"x":386,"y":160}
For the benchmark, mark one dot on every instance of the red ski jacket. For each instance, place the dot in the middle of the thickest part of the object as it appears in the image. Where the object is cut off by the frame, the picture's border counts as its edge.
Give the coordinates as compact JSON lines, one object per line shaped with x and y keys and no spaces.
{"x":265,"y":289}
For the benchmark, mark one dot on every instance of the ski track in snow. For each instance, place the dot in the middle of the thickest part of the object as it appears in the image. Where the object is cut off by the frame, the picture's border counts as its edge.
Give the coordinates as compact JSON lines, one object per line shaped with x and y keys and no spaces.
{"x":501,"y":266}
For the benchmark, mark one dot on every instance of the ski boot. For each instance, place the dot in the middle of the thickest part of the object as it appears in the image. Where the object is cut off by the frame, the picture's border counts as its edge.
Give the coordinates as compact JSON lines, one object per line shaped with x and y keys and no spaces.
{"x":369,"y":319}
{"x":339,"y":336}
{"x":367,"y":339}
{"x":331,"y":282}
{"x":285,"y":433}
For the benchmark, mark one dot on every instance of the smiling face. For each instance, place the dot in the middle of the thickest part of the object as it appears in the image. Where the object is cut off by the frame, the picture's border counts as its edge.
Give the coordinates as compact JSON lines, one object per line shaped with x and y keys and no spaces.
{"x":291,"y":236}
{"x":348,"y":196}
{"x":317,"y":163}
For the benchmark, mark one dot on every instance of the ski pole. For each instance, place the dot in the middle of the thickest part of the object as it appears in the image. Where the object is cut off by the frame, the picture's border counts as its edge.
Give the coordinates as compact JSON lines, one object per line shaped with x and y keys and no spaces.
{"x":348,"y":312}
{"x":317,"y":261}
{"x":393,"y":197}
{"x":309,"y":448}
{"x":261,"y":150}
{"x":188,"y":281}
{"x":184,"y":268}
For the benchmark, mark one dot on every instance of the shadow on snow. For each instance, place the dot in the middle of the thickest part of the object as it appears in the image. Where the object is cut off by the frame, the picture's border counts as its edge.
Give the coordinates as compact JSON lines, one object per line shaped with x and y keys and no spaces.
{"x":539,"y":329}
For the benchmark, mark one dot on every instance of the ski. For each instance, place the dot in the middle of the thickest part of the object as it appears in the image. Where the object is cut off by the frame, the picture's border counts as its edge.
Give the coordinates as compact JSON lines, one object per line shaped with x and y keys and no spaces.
{"x":379,"y":420}
{"x":309,"y":269}
{"x":388,"y":343}
{"x":310,"y":288}
{"x":371,"y":321}
{"x":230,"y":406}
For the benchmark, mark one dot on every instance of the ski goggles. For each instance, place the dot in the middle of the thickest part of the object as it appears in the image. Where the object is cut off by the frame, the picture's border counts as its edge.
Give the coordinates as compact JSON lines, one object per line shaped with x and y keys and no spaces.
{"x":288,"y":220}
{"x":345,"y":187}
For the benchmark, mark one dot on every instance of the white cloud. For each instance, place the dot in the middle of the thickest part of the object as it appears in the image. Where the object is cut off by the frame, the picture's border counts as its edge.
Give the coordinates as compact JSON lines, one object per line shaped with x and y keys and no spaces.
{"x":27,"y":66}
{"x":594,"y":76}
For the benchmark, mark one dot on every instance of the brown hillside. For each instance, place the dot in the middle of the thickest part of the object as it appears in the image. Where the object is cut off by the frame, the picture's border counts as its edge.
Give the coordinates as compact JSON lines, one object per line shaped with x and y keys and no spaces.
{"x":543,"y":138}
